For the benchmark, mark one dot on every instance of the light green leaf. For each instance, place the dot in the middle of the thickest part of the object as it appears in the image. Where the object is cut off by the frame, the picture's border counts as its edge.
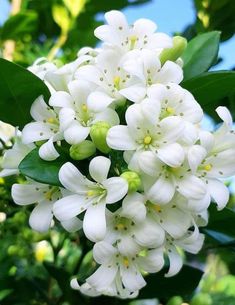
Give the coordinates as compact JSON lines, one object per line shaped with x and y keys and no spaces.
{"x":61,"y":17}
{"x":200,"y":54}
{"x":18,"y":90}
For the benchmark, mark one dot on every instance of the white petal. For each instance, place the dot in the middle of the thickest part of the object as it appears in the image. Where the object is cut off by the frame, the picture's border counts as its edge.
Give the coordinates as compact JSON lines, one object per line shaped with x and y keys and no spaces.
{"x":98,"y":101}
{"x":94,"y":223}
{"x":225,"y":115}
{"x":176,"y":262}
{"x":162,"y":191}
{"x":170,"y":72}
{"x":151,"y":109}
{"x":127,"y":246}
{"x":207,"y":140}
{"x":153,"y":261}
{"x":108,"y":115}
{"x":133,"y":207}
{"x":37,"y":131}
{"x":149,"y":234}
{"x":41,"y":217}
{"x":72,"y":225}
{"x":135,"y":93}
{"x":219,"y":192}
{"x":48,"y":152}
{"x":119,"y":138}
{"x":116,"y":187}
{"x":116,"y":19}
{"x":99,"y":168}
{"x":69,"y":207}
{"x":61,"y":99}
{"x":103,"y":252}
{"x":172,"y":154}
{"x":24,"y":194}
{"x":192,"y":187}
{"x":159,"y":40}
{"x":103,"y":277}
{"x":66,"y":116}
{"x":72,"y":179}
{"x":150,"y":164}
{"x":39,"y":110}
{"x":157,"y":92}
{"x":172,"y":128}
{"x":132,"y":278}
{"x":76,"y":133}
{"x":199,"y":205}
{"x":144,"y":26}
{"x":196,"y":155}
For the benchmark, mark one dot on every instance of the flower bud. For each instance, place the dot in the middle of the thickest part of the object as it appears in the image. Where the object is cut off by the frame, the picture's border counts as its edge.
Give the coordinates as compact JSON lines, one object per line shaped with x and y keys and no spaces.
{"x":177,"y":300}
{"x":82,"y":151}
{"x":98,"y":135}
{"x":201,"y":299}
{"x":133,"y":179}
{"x":179,"y":45}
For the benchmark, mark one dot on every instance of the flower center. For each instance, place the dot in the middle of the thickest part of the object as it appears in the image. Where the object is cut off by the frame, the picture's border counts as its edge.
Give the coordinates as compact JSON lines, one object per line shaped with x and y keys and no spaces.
{"x":48,"y":195}
{"x":157,"y":208}
{"x":126,"y":262}
{"x":207,"y":167}
{"x":147,"y":140}
{"x":170,"y":110}
{"x":52,"y":120}
{"x":132,"y":40}
{"x":116,"y":81}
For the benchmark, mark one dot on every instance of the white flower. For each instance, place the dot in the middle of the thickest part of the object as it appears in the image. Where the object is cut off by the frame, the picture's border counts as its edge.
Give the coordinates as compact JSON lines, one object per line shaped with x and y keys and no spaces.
{"x":45,"y":196}
{"x":146,"y":66}
{"x":41,"y":67}
{"x":131,"y":231}
{"x":191,"y":242}
{"x":169,"y":177}
{"x":122,"y":270}
{"x":81,"y":109}
{"x":118,"y":33}
{"x":107,"y":73}
{"x":12,"y":157}
{"x":45,"y":127}
{"x":90,"y":196}
{"x":144,"y":132}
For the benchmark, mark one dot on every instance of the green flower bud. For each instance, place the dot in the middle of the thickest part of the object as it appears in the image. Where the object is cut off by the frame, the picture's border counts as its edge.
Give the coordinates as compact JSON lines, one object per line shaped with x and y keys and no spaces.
{"x":133,"y":179}
{"x":82,"y":151}
{"x":179,"y":45}
{"x":12,"y":250}
{"x":201,"y":299}
{"x":175,"y":301}
{"x":98,"y":135}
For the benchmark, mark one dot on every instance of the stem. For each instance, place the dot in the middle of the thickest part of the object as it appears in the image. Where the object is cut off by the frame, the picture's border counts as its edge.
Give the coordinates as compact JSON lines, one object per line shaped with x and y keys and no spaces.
{"x":59,"y":43}
{"x":9,"y":45}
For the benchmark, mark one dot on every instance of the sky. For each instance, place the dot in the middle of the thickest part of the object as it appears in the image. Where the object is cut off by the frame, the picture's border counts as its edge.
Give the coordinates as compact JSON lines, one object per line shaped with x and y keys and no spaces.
{"x":170,"y":15}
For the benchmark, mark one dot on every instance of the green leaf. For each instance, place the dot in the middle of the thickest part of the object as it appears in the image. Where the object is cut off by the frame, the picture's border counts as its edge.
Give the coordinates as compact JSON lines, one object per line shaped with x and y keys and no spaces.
{"x":184,"y":283}
{"x":200,"y":54}
{"x":209,"y":88}
{"x":222,"y":221}
{"x":19,"y":25}
{"x":4,"y":293}
{"x":40,"y":170}
{"x":18,"y":89}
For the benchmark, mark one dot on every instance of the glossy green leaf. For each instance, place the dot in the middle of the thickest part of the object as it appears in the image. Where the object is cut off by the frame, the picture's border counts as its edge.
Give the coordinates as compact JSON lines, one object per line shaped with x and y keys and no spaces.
{"x":184,"y":283}
{"x":18,"y":89}
{"x":40,"y":170}
{"x":200,"y":54}
{"x":19,"y":25}
{"x":209,"y":88}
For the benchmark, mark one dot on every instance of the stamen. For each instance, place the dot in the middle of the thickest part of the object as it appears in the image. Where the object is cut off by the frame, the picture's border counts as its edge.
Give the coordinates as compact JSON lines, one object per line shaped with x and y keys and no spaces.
{"x":207,"y":167}
{"x":116,"y":82}
{"x":170,"y":110}
{"x":147,"y":140}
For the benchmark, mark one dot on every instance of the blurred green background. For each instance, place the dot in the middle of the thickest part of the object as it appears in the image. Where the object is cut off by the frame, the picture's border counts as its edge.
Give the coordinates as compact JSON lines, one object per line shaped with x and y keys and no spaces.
{"x":35,"y":269}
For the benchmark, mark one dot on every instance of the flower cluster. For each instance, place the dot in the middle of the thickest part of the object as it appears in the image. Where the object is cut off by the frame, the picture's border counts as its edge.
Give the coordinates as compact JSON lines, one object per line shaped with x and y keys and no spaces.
{"x":152,"y":169}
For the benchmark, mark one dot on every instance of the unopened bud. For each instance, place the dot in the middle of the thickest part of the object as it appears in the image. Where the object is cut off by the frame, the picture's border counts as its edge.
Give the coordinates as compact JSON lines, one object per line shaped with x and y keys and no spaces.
{"x":98,"y":135}
{"x":82,"y":150}
{"x":201,"y":299}
{"x":177,"y":300}
{"x":133,"y":179}
{"x":179,"y":45}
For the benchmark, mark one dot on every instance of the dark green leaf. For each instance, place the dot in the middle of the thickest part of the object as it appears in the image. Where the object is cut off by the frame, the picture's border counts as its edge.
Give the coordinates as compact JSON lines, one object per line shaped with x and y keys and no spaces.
{"x":40,"y":170}
{"x":19,"y":25}
{"x":209,"y":88}
{"x":184,"y":283}
{"x":200,"y":54}
{"x":222,"y":221}
{"x":18,"y":89}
